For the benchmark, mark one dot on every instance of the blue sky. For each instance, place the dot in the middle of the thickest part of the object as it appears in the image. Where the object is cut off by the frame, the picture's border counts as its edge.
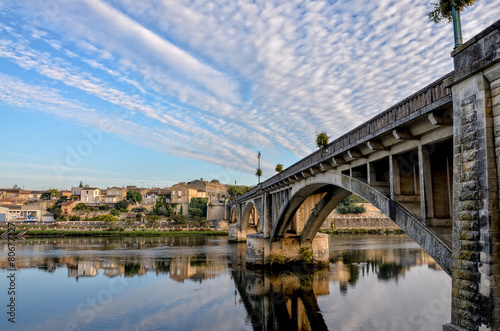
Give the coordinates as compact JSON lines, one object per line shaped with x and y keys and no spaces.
{"x":151,"y":93}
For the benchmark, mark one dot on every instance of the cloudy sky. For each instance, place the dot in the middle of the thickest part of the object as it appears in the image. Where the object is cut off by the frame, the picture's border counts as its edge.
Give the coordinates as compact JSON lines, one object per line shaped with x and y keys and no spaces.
{"x":147,"y":93}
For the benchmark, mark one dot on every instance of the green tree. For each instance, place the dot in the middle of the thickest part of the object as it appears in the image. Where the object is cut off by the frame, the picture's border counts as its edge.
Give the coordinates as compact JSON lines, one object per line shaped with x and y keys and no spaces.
{"x":199,"y":203}
{"x":121,"y":205}
{"x":47,"y":195}
{"x":80,"y":207}
{"x":322,"y":140}
{"x":81,"y":184}
{"x":350,"y":205}
{"x":215,"y":181}
{"x":279,"y":167}
{"x":195,"y":212}
{"x":134,"y":196}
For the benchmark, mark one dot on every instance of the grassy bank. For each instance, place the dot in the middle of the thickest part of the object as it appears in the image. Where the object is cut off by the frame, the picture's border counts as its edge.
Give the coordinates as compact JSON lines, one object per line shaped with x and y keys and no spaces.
{"x":106,"y":233}
{"x":361,"y":231}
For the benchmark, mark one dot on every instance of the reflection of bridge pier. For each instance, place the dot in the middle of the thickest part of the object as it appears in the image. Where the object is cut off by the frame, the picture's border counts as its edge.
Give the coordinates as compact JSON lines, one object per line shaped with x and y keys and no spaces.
{"x":283,"y":301}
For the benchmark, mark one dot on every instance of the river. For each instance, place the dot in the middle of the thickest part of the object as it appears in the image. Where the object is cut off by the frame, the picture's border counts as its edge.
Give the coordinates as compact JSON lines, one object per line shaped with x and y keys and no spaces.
{"x":374,"y":282}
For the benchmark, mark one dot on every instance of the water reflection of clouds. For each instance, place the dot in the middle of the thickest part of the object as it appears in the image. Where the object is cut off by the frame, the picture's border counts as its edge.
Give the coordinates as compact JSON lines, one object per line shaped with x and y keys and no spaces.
{"x":208,"y":287}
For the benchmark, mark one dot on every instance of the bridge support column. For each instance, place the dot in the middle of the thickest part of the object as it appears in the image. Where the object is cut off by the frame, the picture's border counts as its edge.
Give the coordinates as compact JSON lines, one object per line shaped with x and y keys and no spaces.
{"x":260,"y":253}
{"x":476,"y":228}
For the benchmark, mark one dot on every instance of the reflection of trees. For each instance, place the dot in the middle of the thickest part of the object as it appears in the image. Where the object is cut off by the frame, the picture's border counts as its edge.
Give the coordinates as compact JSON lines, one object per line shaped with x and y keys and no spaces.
{"x":132,"y":269}
{"x":388,"y":264}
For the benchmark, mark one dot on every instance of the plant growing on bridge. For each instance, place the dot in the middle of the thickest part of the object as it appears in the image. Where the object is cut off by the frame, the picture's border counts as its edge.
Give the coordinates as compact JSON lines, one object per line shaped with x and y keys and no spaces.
{"x":279,"y":167}
{"x":258,"y":173}
{"x":306,"y":253}
{"x":322,"y":140}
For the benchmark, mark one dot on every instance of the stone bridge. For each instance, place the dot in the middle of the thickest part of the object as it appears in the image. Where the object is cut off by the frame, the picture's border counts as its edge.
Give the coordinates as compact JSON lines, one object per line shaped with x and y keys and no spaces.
{"x":431,"y":163}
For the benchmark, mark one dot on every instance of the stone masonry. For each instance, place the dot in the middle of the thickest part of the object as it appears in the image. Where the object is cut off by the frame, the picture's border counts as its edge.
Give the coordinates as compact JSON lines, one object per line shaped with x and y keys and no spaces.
{"x":475,"y":254}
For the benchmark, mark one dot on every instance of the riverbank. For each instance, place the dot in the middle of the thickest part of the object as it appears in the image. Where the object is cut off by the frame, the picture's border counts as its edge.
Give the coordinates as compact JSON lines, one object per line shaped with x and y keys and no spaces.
{"x":346,"y":231}
{"x":119,"y":233}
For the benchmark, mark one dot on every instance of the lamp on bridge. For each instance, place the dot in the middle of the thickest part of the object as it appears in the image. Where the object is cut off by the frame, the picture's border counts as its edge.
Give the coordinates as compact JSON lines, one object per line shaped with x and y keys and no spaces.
{"x":259,"y":171}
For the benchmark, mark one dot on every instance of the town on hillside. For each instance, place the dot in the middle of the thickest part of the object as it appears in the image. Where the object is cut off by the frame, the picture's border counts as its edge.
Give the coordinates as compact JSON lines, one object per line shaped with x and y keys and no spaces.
{"x":196,"y":203}
{"x":198,"y":199}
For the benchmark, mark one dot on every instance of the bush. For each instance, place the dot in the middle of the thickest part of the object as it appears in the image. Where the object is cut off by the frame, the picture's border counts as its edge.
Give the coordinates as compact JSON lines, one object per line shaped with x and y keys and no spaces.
{"x":104,"y":218}
{"x":115,"y":212}
{"x":120,"y":205}
{"x":349,"y":205}
{"x":104,"y":207}
{"x":276,"y":258}
{"x":74,"y":218}
{"x":80,"y":206}
{"x":61,"y":218}
{"x":306,"y":253}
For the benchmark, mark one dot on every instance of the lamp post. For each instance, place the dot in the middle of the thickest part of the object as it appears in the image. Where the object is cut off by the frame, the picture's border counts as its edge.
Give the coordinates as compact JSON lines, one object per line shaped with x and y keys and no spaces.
{"x":258,"y":168}
{"x":457,"y":26}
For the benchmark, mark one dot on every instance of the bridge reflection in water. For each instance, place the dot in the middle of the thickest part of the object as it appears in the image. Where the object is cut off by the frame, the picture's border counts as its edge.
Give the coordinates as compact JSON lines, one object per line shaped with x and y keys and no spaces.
{"x":363,"y":271}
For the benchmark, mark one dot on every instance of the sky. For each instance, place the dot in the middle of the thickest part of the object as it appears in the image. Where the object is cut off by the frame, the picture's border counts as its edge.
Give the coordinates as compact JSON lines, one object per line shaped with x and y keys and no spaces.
{"x":151,"y":93}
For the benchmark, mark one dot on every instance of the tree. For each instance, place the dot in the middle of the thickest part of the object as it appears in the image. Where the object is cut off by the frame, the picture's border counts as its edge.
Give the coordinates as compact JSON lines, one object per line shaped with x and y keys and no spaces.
{"x":258,"y":173}
{"x":47,"y":195}
{"x":215,"y":181}
{"x":195,"y":212}
{"x":81,"y":184}
{"x":198,"y":203}
{"x":350,"y":205}
{"x":134,"y":196}
{"x":15,"y":187}
{"x":443,"y":9}
{"x":279,"y":167}
{"x":121,"y":205}
{"x":321,"y":140}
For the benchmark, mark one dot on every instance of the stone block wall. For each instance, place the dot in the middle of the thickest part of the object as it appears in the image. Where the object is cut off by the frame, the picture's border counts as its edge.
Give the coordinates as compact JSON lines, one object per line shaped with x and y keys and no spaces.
{"x":476,"y":159}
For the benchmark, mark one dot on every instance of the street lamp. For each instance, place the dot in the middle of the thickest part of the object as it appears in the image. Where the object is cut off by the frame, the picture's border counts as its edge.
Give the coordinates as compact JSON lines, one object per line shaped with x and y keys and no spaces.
{"x":259,"y":172}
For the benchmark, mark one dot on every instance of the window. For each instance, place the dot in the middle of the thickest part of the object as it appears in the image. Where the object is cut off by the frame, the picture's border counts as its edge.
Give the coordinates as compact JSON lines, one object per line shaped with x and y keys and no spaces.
{"x":173,"y":192}
{"x":180,"y":200}
{"x":180,"y":192}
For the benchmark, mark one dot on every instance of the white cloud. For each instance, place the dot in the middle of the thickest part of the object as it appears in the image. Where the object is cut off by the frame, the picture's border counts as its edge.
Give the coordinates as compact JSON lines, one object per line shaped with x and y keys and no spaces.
{"x":217,"y":81}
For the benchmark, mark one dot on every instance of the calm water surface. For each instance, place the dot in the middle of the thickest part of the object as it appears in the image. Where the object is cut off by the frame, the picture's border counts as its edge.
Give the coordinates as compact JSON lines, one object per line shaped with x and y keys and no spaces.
{"x":201,"y":283}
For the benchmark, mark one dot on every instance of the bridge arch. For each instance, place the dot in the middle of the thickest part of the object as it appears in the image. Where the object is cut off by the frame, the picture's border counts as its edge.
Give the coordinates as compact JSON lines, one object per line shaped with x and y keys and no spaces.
{"x":234,"y":215}
{"x":337,"y":187}
{"x":250,"y":217}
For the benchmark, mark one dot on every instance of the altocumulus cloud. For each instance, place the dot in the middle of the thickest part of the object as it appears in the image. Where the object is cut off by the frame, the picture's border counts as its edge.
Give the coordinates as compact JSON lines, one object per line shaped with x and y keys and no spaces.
{"x":217,"y":80}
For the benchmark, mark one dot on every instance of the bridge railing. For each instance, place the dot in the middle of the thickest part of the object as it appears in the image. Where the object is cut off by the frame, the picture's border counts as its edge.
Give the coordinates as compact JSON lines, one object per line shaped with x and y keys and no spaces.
{"x":400,"y":112}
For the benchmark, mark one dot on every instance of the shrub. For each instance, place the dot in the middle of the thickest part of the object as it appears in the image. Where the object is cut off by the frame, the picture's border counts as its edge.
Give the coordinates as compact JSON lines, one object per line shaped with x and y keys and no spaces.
{"x":276,"y":258}
{"x":61,"y":218}
{"x":74,"y":218}
{"x":306,"y":253}
{"x":121,"y":205}
{"x":279,"y":167}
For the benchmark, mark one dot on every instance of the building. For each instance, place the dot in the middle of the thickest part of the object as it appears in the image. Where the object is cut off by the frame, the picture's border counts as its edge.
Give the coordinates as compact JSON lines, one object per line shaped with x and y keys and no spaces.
{"x":182,"y":194}
{"x":90,"y":195}
{"x":114,"y":194}
{"x":65,"y":193}
{"x":21,"y":213}
{"x":215,"y":191}
{"x":67,"y":207}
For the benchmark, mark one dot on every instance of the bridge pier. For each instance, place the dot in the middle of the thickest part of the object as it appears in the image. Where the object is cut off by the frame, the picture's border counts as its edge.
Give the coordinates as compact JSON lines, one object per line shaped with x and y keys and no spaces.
{"x":261,"y":253}
{"x":235,"y":234}
{"x":476,"y":162}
